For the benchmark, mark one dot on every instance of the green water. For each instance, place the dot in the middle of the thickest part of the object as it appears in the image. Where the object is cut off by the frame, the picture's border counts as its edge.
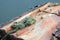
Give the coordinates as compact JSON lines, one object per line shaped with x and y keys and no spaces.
{"x":12,"y":8}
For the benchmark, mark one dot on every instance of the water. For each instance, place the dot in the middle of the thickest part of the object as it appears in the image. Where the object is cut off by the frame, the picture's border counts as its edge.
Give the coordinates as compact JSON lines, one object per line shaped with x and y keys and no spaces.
{"x":12,"y":8}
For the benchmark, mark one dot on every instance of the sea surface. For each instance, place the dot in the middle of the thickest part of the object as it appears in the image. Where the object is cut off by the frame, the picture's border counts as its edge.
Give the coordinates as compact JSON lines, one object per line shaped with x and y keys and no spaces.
{"x":10,"y":9}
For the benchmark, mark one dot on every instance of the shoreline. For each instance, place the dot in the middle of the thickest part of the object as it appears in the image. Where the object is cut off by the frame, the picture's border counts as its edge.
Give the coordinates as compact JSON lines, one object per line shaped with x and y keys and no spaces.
{"x":10,"y":21}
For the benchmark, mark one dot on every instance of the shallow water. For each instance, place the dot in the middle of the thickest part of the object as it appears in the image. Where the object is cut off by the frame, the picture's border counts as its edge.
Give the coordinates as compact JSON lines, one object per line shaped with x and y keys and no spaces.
{"x":12,"y":8}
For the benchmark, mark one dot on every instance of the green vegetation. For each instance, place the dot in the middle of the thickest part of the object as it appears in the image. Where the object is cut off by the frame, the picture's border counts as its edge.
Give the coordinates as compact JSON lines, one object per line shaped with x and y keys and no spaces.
{"x":28,"y":21}
{"x":18,"y":25}
{"x":24,"y":23}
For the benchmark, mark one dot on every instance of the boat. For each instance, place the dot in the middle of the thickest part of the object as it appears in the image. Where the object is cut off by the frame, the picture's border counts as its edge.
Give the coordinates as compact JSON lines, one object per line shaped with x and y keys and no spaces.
{"x":41,"y":23}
